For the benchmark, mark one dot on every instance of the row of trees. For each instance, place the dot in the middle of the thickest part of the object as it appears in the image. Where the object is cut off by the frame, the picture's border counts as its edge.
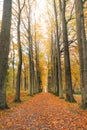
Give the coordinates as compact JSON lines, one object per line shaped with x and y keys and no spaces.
{"x":60,"y":45}
{"x":25,"y":57}
{"x":14,"y":33}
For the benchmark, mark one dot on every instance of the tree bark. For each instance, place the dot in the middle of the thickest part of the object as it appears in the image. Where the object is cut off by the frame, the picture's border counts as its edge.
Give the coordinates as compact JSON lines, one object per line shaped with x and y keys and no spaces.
{"x":68,"y":78}
{"x":25,"y":77}
{"x":4,"y":49}
{"x":82,"y":44}
{"x":13,"y":65}
{"x":37,"y":62}
{"x":31,"y":62}
{"x":58,"y":55}
{"x":17,"y":97}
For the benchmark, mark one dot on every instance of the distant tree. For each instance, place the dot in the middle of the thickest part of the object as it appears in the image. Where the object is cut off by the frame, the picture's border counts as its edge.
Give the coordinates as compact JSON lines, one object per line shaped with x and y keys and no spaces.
{"x":37,"y":62}
{"x":53,"y":85}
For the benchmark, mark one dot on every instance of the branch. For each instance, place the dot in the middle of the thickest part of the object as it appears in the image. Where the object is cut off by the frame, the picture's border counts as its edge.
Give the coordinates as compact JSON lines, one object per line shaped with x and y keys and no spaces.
{"x":70,"y":42}
{"x":24,"y":25}
{"x":71,"y":13}
{"x":22,"y":6}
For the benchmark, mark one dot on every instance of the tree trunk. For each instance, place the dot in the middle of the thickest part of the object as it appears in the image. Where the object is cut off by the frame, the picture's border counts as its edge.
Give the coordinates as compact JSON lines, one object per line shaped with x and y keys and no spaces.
{"x":68,"y":78}
{"x":58,"y":55}
{"x":17,"y":97}
{"x":4,"y":50}
{"x":31,"y":70}
{"x":25,"y":78}
{"x":57,"y":78}
{"x":13,"y":64}
{"x":31,"y":62}
{"x":82,"y":44}
{"x":37,"y":62}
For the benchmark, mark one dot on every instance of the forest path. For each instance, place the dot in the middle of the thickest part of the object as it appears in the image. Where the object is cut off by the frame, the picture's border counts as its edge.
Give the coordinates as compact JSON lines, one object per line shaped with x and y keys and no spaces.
{"x":44,"y":112}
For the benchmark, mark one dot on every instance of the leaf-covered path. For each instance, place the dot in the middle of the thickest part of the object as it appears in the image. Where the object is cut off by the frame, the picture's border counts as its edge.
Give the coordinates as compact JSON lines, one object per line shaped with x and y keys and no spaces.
{"x":44,"y":112}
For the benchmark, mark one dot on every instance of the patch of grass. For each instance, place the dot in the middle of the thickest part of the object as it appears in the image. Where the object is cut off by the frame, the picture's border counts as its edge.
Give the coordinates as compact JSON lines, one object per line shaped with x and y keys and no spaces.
{"x":10,"y":94}
{"x":77,"y":93}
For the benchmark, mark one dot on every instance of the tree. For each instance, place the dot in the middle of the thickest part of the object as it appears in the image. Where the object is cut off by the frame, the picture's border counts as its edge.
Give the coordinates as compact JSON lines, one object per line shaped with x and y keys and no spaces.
{"x":58,"y":54}
{"x":82,"y":44}
{"x":13,"y":64}
{"x":31,"y":62}
{"x":53,"y":85}
{"x":68,"y":79}
{"x":4,"y":49}
{"x":17,"y":97}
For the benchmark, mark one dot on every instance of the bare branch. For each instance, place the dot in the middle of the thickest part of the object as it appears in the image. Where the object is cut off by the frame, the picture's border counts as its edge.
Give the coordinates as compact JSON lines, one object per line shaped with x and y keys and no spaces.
{"x":71,"y":14}
{"x":70,"y":42}
{"x":22,"y":6}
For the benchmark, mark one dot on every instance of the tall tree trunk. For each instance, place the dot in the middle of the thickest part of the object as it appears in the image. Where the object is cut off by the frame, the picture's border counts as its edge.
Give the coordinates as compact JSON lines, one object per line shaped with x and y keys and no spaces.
{"x":68,"y":78}
{"x":37,"y":67}
{"x":31,"y":69}
{"x":25,"y":78}
{"x":31,"y":62}
{"x":17,"y":97}
{"x":36,"y":60}
{"x":4,"y":50}
{"x":58,"y":55}
{"x":57,"y":78}
{"x":50,"y":67}
{"x":49,"y":76}
{"x":82,"y":44}
{"x":54,"y":64}
{"x":13,"y":63}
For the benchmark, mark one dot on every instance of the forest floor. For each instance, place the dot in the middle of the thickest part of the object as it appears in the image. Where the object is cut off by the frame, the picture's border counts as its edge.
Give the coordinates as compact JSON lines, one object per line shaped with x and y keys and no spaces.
{"x":44,"y":112}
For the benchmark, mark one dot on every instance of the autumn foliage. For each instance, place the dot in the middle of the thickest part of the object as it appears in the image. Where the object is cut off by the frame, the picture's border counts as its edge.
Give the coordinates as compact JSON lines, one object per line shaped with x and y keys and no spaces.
{"x":44,"y":112}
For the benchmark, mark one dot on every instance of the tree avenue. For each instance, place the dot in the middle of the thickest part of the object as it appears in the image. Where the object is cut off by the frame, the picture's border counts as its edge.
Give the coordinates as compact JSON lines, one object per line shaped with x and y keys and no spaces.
{"x":43,"y":49}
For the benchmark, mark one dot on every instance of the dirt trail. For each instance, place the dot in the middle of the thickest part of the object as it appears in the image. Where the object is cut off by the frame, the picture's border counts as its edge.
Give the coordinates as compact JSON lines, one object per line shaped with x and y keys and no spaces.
{"x":44,"y":112}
